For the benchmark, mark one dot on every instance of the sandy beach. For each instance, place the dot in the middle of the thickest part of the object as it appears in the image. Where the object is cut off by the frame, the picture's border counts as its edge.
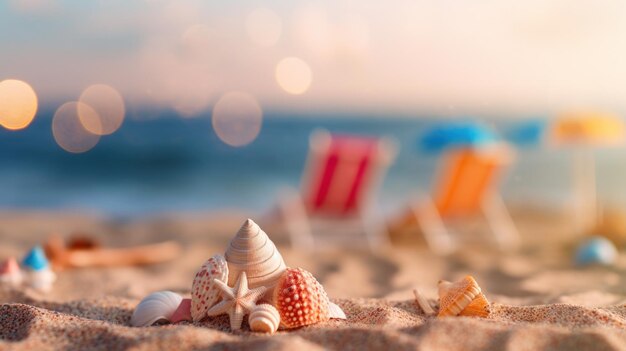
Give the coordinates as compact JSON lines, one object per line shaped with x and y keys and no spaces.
{"x":540,"y":301}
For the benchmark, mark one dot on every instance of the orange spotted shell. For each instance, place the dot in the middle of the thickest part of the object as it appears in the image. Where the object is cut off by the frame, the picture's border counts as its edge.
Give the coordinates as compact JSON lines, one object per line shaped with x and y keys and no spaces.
{"x":204,"y":294}
{"x":300,"y":299}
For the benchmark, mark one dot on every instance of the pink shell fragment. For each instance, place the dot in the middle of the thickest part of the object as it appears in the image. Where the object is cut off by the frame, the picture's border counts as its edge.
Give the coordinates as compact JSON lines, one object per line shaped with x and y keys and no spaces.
{"x":9,"y":266}
{"x":183,"y":312}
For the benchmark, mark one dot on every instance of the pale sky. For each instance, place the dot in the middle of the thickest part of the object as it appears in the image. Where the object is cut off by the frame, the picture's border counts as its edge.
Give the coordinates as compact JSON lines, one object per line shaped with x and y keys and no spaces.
{"x":443,"y":56}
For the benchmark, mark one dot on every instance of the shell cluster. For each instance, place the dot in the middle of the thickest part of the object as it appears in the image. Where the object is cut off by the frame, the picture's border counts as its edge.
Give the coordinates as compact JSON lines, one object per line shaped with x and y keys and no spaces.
{"x":251,"y":278}
{"x":35,"y":271}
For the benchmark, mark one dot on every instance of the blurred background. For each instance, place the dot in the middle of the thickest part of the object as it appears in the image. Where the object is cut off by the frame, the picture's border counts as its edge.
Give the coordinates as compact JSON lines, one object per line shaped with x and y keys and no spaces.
{"x":140,"y":107}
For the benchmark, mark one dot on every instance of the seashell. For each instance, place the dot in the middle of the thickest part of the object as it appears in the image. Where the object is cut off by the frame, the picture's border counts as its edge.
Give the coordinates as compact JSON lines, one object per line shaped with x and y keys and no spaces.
{"x":204,"y":294}
{"x":183,"y":312}
{"x":463,"y":298}
{"x":335,"y":312}
{"x":252,"y":251}
{"x":264,"y":318}
{"x":159,"y":305}
{"x":10,"y":273}
{"x":300,"y":299}
{"x":596,"y":250}
{"x":38,"y":273}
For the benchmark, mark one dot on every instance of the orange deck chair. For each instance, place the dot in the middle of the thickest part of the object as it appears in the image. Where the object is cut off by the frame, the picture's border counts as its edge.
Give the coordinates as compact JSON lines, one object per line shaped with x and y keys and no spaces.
{"x":466,"y":186}
{"x":339,"y":184}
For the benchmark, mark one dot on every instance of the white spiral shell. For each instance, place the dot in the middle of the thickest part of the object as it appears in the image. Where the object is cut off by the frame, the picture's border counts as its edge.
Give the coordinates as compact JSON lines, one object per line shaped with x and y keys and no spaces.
{"x":264,"y":318}
{"x":252,"y":251}
{"x":156,"y":306}
{"x":204,"y":294}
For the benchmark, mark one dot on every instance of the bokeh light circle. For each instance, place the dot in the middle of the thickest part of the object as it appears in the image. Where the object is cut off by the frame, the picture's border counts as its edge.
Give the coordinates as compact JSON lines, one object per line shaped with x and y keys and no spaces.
{"x":237,"y":118}
{"x":293,"y":75}
{"x":264,"y":27}
{"x":18,"y":104}
{"x":68,"y":130}
{"x":108,"y":105}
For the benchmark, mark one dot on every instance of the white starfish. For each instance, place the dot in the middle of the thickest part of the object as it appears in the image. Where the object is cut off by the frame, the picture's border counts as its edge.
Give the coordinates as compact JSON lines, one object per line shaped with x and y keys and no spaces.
{"x":236,"y":301}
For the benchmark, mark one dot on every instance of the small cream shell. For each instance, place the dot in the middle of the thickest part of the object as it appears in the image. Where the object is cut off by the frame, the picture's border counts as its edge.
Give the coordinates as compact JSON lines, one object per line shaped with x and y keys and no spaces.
{"x":156,"y":306}
{"x":264,"y":318}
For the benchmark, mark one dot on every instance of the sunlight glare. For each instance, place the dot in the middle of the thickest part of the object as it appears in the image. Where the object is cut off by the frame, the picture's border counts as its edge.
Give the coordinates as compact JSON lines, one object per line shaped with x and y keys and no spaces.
{"x":18,"y":104}
{"x":237,"y":118}
{"x":293,"y":75}
{"x":108,"y":105}
{"x":68,"y":130}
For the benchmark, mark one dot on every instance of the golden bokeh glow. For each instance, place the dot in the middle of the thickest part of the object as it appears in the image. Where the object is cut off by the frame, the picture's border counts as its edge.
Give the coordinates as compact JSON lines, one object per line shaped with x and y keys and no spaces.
{"x":237,"y":118}
{"x":264,"y":27}
{"x":68,"y":130}
{"x":18,"y":104}
{"x":293,"y":75}
{"x":108,"y":105}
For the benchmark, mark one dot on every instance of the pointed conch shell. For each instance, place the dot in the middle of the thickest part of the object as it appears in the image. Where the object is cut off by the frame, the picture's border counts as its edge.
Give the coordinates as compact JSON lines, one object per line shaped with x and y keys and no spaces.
{"x":156,"y":306}
{"x":463,"y":298}
{"x":252,"y":251}
{"x":264,"y":318}
{"x":204,"y":294}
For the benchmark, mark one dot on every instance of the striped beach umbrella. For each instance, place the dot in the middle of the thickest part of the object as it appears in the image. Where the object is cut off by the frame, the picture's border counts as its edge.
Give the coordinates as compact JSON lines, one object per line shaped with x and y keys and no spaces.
{"x":583,"y":132}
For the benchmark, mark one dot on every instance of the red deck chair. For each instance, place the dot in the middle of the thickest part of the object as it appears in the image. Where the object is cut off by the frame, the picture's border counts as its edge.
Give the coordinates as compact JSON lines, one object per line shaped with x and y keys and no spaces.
{"x":339,"y":183}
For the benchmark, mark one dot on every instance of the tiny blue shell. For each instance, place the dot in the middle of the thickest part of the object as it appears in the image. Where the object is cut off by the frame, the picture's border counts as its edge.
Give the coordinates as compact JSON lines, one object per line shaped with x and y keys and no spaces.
{"x":596,"y":250}
{"x":35,"y":259}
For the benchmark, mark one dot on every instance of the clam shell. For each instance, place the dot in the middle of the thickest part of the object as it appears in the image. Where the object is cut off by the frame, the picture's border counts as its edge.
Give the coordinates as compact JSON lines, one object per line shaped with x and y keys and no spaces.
{"x":252,"y":251}
{"x":264,"y":318}
{"x":300,"y":299}
{"x":204,"y":294}
{"x":156,"y":306}
{"x":463,"y":298}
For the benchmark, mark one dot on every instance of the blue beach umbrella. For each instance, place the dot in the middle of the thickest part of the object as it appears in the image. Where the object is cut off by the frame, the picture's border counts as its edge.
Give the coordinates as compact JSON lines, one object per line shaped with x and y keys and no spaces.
{"x":527,"y":133}
{"x":447,"y":136}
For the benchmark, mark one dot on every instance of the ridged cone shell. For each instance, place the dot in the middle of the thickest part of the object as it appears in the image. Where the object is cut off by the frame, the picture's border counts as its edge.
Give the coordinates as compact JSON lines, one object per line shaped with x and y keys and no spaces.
{"x":264,"y":318}
{"x":252,"y":251}
{"x":204,"y":294}
{"x":300,"y":299}
{"x":156,"y":306}
{"x":463,"y":298}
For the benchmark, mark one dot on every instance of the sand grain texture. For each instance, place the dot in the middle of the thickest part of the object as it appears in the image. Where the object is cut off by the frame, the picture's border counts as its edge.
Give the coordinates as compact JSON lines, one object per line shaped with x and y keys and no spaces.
{"x":540,"y":301}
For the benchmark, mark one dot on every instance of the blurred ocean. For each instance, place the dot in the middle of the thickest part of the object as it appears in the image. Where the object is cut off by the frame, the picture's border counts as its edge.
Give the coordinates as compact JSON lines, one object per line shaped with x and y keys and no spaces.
{"x":160,"y":162}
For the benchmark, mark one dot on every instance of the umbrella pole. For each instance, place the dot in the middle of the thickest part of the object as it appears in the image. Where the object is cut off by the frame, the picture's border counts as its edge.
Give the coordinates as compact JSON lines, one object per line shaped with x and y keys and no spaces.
{"x":586,"y":201}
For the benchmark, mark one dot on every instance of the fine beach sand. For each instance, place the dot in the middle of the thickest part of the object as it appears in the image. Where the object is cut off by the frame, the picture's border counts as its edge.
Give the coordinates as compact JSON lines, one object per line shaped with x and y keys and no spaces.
{"x":540,"y":301}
